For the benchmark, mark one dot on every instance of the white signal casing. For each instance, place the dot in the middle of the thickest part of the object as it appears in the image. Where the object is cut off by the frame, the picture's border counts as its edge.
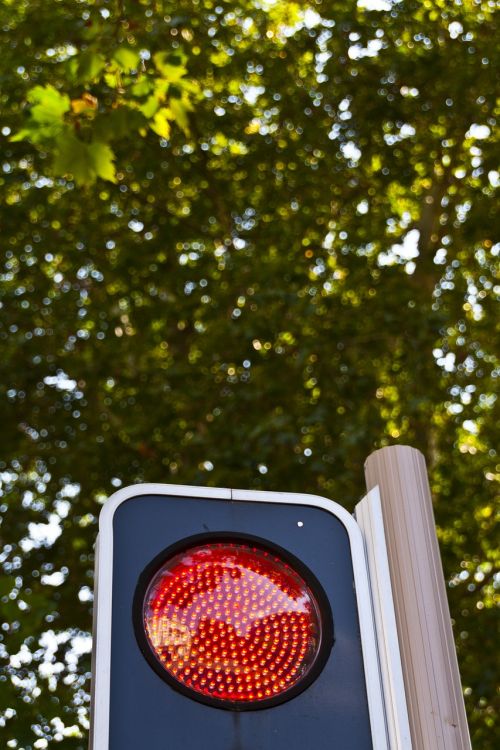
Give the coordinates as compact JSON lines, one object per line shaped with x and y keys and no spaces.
{"x":377,"y":686}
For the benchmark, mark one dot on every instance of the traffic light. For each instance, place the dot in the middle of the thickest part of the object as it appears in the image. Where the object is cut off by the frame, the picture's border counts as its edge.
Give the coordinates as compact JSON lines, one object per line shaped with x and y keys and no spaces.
{"x":232,"y":620}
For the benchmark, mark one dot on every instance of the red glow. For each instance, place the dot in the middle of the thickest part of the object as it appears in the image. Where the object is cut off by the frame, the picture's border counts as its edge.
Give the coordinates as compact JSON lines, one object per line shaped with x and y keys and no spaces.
{"x":232,"y":621}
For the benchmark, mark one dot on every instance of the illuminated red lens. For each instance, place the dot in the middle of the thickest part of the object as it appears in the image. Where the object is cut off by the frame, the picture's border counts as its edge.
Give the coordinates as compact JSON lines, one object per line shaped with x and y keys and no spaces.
{"x":232,"y":622}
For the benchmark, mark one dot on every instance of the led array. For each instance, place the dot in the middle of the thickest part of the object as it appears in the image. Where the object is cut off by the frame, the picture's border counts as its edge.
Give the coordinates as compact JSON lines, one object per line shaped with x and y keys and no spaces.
{"x":232,"y":621}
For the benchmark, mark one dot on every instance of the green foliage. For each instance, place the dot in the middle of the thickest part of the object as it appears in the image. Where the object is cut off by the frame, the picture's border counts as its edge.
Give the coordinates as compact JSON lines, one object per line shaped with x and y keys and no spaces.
{"x":47,"y":115}
{"x":110,"y":85}
{"x":85,"y":161}
{"x":243,"y":244}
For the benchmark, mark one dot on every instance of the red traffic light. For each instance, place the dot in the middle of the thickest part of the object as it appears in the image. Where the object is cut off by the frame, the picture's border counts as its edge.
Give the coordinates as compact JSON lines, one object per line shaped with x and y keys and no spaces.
{"x":233,"y":623}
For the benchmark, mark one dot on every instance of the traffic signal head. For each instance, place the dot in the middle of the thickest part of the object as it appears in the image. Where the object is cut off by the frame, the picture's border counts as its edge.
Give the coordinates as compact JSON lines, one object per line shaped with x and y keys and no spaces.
{"x":232,"y":619}
{"x":232,"y":622}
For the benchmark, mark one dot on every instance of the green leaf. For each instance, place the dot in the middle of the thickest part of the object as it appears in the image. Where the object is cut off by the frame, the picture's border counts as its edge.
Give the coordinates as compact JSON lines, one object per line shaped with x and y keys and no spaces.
{"x":160,"y":123}
{"x":48,"y":103}
{"x":126,"y":58}
{"x":150,"y":106}
{"x":71,"y":157}
{"x":90,"y":65}
{"x":170,"y":66}
{"x":112,"y":78}
{"x":142,"y":87}
{"x":23,"y":135}
{"x":118,"y":123}
{"x":180,"y":109}
{"x":46,"y":120}
{"x":84,"y":161}
{"x":102,"y":158}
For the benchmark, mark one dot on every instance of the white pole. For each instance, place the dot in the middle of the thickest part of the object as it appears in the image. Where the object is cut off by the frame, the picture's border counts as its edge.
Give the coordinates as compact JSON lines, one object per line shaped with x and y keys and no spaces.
{"x":430,"y":670}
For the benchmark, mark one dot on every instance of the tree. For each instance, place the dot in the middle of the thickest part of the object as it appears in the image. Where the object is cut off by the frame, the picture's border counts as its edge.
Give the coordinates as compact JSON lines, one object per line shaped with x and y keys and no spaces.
{"x":244,"y":245}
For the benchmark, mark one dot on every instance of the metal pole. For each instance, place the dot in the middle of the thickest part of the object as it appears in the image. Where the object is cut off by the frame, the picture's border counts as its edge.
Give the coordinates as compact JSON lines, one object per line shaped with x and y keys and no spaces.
{"x":430,"y":670}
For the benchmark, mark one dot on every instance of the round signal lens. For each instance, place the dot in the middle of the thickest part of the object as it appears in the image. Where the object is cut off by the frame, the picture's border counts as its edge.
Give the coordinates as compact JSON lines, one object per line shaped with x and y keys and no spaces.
{"x":233,"y":624}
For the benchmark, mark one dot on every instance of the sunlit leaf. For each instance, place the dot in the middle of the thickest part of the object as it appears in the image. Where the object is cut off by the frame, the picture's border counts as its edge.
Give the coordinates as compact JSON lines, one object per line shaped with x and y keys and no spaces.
{"x":171,"y":66}
{"x":48,"y":104}
{"x":102,"y":158}
{"x":160,"y":122}
{"x":126,"y":58}
{"x":46,"y":117}
{"x":151,"y":105}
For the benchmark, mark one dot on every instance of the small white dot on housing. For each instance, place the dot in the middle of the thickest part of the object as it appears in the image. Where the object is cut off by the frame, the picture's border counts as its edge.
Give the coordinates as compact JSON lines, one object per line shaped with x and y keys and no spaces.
{"x":300,"y":523}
